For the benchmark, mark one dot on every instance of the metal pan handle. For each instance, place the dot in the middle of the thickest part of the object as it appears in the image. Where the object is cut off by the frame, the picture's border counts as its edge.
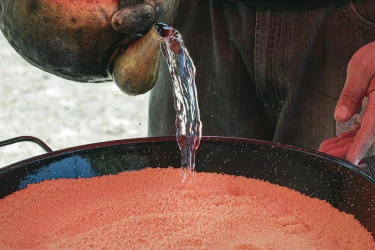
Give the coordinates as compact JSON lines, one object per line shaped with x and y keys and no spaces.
{"x":26,"y":138}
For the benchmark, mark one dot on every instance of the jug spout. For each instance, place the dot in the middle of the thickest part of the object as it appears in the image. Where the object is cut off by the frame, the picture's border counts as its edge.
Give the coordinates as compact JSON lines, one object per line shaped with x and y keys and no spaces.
{"x":135,"y":65}
{"x":136,"y":69}
{"x":163,"y":29}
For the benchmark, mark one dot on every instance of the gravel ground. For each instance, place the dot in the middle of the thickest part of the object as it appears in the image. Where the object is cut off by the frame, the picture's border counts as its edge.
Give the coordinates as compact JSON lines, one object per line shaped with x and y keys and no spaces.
{"x":62,"y":113}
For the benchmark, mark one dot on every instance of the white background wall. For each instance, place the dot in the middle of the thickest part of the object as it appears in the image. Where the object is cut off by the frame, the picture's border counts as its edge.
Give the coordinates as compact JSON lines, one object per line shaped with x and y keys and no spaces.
{"x":61,"y":113}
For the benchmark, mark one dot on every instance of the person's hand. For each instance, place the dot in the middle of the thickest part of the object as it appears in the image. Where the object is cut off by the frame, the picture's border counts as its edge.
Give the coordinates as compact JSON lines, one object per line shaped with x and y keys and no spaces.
{"x":340,"y":145}
{"x":360,"y":82}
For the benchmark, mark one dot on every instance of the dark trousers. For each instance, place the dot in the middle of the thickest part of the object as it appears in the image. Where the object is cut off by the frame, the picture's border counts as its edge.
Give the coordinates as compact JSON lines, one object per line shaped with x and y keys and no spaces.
{"x":265,"y":74}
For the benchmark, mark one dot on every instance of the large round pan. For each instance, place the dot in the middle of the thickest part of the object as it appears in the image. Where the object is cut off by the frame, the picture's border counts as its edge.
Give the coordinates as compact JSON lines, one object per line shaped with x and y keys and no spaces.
{"x":309,"y":172}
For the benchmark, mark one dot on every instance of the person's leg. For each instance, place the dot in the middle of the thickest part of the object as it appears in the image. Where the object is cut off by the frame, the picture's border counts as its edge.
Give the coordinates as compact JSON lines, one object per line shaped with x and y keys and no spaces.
{"x":314,"y":50}
{"x":294,"y":68}
{"x":214,"y":32}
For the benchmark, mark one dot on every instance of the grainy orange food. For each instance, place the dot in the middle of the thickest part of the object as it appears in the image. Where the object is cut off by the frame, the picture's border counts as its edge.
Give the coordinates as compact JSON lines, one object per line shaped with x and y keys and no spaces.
{"x":152,"y":209}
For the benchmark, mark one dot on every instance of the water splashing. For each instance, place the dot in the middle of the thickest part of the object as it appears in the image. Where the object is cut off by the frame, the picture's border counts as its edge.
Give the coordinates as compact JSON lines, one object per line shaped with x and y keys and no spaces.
{"x":182,"y":71}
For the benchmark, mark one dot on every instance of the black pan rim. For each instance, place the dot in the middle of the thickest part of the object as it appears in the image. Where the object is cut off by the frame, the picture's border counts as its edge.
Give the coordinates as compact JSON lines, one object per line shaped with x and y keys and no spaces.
{"x":105,"y":144}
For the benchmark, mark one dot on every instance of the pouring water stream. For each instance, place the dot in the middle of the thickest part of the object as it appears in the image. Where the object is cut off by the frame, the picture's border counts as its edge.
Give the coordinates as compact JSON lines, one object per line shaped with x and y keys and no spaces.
{"x":182,"y":71}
